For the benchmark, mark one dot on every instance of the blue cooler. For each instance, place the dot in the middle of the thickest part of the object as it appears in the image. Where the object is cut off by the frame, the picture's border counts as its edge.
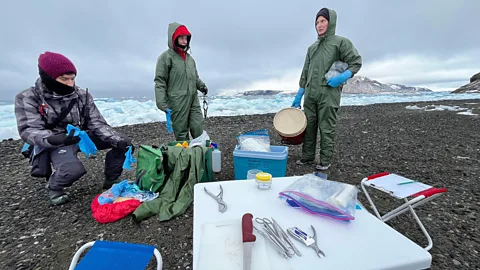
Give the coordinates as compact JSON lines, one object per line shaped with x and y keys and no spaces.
{"x":274,"y":162}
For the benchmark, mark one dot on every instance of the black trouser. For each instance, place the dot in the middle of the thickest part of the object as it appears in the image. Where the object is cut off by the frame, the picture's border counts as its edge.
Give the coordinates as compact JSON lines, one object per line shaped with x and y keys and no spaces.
{"x":69,"y":169}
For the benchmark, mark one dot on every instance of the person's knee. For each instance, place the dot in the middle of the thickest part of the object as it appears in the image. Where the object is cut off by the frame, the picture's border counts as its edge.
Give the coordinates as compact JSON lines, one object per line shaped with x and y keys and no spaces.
{"x":71,"y":171}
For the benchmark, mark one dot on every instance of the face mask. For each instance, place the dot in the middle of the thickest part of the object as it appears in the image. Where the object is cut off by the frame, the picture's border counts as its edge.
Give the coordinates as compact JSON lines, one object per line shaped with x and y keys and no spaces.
{"x":55,"y":86}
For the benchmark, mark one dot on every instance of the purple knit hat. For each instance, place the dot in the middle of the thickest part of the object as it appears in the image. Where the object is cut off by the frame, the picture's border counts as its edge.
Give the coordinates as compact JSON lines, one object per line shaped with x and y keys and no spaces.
{"x":55,"y":64}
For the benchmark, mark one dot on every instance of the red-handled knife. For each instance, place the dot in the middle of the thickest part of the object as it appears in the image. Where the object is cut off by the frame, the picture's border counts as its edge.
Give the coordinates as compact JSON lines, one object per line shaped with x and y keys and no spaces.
{"x":248,"y":238}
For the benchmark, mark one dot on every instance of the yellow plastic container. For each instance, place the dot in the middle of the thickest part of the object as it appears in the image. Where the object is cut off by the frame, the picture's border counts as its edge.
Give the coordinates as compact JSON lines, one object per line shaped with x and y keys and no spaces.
{"x":263,"y":180}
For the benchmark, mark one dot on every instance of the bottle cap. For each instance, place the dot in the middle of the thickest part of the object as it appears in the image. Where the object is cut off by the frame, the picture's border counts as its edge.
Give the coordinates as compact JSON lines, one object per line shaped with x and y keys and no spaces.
{"x":263,"y":176}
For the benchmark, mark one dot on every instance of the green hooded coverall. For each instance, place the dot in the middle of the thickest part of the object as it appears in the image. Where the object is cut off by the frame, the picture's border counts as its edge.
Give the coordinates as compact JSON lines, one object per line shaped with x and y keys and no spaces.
{"x":176,"y":84}
{"x":322,"y":101}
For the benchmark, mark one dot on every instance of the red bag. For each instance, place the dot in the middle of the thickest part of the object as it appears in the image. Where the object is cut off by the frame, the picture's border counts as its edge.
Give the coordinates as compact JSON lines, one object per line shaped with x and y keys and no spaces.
{"x":111,"y":212}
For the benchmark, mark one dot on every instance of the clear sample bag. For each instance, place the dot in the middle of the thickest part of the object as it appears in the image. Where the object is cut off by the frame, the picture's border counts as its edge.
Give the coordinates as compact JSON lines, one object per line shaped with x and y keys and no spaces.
{"x":319,"y":196}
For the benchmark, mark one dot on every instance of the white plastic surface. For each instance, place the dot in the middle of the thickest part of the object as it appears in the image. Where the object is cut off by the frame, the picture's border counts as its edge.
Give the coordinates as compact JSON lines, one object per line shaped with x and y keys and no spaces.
{"x":364,"y":243}
{"x":224,"y":250}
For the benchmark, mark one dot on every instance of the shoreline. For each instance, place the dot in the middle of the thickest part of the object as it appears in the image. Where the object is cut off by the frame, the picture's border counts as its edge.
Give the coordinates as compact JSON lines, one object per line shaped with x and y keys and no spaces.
{"x":342,"y":107}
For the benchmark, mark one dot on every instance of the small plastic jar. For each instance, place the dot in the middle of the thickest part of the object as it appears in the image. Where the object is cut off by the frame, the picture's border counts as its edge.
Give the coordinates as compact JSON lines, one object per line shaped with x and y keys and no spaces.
{"x":263,"y":180}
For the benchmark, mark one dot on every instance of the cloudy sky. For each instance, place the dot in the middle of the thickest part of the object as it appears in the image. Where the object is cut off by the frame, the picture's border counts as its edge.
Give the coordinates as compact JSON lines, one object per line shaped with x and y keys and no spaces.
{"x":238,"y":45}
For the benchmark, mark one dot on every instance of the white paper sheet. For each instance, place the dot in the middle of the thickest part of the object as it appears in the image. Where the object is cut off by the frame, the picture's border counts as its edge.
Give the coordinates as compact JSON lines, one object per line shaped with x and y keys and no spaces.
{"x":390,"y":184}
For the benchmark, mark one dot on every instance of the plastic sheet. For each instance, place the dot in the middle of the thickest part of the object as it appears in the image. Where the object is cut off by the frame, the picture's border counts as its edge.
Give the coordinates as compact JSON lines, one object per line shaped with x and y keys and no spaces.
{"x":317,"y":195}
{"x":200,"y":140}
{"x":126,"y":189}
{"x":337,"y":68}
{"x":257,"y":141}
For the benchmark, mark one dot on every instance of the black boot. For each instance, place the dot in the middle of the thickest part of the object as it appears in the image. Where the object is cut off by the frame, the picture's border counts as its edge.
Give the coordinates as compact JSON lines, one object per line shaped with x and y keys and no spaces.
{"x":57,"y":197}
{"x":109,"y":183}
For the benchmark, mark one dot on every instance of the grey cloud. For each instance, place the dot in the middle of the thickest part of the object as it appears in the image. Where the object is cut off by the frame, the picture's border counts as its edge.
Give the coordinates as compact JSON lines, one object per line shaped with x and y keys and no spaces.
{"x":115,"y":44}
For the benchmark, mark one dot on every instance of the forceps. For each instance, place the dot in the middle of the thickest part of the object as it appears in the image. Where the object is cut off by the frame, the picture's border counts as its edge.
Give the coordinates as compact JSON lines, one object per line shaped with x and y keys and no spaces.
{"x":222,"y":206}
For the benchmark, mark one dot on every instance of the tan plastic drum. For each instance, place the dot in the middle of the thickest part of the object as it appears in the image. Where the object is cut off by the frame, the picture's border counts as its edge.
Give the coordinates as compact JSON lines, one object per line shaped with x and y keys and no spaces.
{"x":290,"y":124}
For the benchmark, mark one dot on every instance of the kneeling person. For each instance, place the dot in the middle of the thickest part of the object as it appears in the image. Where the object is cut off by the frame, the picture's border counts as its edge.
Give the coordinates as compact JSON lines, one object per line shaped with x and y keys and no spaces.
{"x":43,"y":112}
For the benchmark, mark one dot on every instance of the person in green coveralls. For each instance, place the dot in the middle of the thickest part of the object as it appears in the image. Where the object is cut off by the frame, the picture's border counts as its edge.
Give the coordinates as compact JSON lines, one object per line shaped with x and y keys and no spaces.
{"x":176,"y":84}
{"x":322,"y":97}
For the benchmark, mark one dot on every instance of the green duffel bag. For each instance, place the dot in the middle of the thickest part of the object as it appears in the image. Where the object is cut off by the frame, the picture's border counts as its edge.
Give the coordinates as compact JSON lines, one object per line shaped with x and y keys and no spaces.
{"x":150,"y":168}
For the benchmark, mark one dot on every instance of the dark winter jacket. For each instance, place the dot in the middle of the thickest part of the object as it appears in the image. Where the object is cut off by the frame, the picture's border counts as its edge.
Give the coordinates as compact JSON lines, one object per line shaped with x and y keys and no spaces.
{"x":37,"y":107}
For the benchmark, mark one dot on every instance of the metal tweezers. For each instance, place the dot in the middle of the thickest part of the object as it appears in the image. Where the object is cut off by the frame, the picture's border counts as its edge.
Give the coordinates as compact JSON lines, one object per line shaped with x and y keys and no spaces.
{"x":222,"y":206}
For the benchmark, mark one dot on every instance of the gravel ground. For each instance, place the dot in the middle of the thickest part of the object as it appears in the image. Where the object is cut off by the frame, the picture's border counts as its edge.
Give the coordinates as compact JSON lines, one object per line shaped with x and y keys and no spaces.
{"x":439,"y":147}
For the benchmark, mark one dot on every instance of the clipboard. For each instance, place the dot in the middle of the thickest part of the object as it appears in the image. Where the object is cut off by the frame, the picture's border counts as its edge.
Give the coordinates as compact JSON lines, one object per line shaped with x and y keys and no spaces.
{"x":390,"y":184}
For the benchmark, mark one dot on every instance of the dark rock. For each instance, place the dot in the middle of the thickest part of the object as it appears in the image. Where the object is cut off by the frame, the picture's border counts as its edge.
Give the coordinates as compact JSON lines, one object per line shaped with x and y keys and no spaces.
{"x":472,"y":87}
{"x":475,"y":77}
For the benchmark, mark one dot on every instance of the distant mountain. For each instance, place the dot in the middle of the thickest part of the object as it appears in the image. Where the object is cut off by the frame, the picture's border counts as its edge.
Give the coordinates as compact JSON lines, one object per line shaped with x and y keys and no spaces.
{"x":355,"y":85}
{"x":364,"y":85}
{"x":261,"y":93}
{"x":472,"y":87}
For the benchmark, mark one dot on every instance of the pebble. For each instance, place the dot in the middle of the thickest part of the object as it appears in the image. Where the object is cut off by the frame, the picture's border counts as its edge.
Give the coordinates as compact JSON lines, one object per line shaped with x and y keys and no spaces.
{"x":355,"y":159}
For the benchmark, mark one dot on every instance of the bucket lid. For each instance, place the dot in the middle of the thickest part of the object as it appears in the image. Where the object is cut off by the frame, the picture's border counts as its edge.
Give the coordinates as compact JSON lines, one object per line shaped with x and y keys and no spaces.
{"x":290,"y":122}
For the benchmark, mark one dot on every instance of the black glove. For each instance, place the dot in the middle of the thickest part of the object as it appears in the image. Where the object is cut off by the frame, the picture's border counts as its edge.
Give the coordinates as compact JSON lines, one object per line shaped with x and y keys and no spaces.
{"x":122,"y":145}
{"x":204,"y":90}
{"x":62,"y":138}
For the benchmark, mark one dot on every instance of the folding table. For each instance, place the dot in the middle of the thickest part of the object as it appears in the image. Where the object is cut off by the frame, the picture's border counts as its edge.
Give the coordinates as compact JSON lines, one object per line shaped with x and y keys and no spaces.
{"x":363,"y":243}
{"x":402,"y":188}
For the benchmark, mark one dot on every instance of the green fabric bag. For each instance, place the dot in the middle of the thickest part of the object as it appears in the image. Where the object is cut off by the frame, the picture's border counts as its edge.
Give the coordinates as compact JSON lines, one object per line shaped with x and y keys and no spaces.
{"x":150,"y":170}
{"x":184,"y":169}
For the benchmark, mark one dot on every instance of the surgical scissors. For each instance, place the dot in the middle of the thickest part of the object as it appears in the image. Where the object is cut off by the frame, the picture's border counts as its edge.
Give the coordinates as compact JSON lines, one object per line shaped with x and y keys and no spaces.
{"x":222,"y":206}
{"x":274,"y":232}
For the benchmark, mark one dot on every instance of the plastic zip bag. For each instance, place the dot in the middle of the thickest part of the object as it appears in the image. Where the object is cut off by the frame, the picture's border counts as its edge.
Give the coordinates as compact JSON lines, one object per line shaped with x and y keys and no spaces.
{"x":317,"y":195}
{"x":256,"y":140}
{"x":337,"y":68}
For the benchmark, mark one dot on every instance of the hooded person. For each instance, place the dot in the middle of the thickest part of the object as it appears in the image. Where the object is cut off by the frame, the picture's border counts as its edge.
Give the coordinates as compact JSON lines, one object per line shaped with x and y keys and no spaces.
{"x":176,"y":84}
{"x":43,"y":113}
{"x":322,"y":97}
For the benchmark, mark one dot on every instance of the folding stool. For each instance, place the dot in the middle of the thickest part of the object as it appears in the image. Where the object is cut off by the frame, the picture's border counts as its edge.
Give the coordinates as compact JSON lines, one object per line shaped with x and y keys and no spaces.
{"x":115,"y":255}
{"x":419,"y":194}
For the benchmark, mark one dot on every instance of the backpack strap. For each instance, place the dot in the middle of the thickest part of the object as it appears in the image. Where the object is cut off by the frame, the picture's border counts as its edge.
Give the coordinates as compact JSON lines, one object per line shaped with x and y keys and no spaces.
{"x":85,"y":113}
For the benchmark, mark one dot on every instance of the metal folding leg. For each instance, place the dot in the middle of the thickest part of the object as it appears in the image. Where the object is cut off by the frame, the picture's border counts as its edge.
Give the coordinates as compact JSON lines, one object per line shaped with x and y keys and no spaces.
{"x":409,"y":205}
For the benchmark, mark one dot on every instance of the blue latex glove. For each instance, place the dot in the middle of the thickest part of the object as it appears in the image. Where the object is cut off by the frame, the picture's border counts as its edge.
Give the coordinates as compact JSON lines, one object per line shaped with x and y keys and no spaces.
{"x":298,"y":98}
{"x":336,"y":81}
{"x":169,"y":120}
{"x":85,"y":144}
{"x":128,"y":159}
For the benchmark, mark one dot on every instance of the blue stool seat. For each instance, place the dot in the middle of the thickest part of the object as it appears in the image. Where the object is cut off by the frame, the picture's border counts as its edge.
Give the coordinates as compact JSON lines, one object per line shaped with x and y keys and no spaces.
{"x":105,"y":255}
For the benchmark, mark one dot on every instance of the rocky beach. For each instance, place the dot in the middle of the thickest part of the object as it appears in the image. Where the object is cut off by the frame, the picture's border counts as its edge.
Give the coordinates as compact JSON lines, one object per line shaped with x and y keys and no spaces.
{"x":441,"y":148}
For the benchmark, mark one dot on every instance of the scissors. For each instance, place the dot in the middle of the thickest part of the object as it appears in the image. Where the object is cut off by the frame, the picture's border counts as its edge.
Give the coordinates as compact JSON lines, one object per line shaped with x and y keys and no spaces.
{"x":222,"y":206}
{"x":275,"y":233}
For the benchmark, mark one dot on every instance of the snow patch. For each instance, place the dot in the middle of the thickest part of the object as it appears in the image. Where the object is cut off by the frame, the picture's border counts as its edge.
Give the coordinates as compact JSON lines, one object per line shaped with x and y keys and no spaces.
{"x":429,"y":108}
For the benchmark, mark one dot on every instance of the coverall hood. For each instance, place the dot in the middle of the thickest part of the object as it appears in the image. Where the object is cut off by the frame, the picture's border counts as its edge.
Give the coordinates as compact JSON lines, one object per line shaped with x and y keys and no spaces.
{"x":332,"y":23}
{"x":175,"y":30}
